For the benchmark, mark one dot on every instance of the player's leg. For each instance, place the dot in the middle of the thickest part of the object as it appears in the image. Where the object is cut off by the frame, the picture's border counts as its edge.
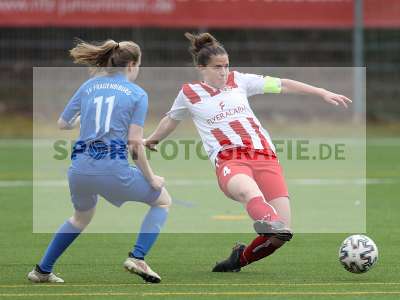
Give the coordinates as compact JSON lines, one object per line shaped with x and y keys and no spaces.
{"x":81,"y":219}
{"x":152,"y":224}
{"x":237,"y":181}
{"x":62,"y":239}
{"x":241,"y":186}
{"x":263,"y":246}
{"x":149,"y":232}
{"x":269,"y":177}
{"x":271,"y":182}
{"x":244,"y":189}
{"x":84,"y":203}
{"x":131,"y":185}
{"x":282,"y":207}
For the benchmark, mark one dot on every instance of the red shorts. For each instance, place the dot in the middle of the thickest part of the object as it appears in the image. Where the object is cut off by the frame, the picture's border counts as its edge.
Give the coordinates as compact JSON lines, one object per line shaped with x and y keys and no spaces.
{"x":264,"y":168}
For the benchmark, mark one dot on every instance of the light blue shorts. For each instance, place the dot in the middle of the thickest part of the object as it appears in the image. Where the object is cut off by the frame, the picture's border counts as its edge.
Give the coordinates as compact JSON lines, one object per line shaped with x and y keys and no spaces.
{"x":128,"y":185}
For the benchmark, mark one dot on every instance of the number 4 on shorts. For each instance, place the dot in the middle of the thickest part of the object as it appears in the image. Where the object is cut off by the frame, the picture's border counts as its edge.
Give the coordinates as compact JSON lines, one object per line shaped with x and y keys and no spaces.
{"x":226,"y":171}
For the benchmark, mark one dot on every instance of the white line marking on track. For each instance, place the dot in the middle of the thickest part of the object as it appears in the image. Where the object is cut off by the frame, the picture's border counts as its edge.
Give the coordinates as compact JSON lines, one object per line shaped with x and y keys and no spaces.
{"x":238,"y":293}
{"x":290,"y":284}
{"x":228,"y":293}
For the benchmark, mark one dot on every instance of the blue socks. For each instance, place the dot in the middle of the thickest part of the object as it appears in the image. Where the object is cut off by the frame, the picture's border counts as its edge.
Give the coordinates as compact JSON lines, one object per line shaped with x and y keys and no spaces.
{"x":149,"y":231}
{"x":65,"y":235}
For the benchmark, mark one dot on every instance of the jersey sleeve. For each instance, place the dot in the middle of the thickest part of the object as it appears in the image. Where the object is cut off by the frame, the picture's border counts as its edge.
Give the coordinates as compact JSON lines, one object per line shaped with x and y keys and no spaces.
{"x":140,"y":111}
{"x":179,"y":110}
{"x":73,"y":108}
{"x":257,"y":84}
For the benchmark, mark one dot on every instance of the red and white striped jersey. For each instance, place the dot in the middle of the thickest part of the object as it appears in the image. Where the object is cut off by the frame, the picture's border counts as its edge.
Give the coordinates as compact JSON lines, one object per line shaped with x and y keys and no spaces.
{"x":224,"y":118}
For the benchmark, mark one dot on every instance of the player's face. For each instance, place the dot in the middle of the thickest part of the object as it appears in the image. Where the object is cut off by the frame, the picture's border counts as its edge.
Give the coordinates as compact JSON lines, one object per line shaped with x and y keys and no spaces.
{"x":133,"y":70}
{"x":216,"y":72}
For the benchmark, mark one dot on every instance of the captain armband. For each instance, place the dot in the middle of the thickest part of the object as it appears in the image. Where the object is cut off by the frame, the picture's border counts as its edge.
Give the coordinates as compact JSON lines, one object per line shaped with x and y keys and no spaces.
{"x":272,"y":85}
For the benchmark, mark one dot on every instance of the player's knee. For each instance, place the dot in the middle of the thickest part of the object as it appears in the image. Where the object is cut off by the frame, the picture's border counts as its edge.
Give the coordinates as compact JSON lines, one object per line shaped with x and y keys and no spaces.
{"x":81,"y":220}
{"x":165,"y":204}
{"x":164,"y":201}
{"x":244,"y":195}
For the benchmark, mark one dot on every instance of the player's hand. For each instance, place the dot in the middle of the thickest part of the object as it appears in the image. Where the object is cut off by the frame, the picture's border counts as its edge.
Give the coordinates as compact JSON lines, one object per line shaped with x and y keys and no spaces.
{"x":151,"y":145}
{"x":336,"y":99}
{"x":157,"y":182}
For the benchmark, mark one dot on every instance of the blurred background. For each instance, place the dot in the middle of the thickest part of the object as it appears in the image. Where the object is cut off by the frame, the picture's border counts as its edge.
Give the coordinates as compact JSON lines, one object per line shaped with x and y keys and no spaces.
{"x":266,"y":33}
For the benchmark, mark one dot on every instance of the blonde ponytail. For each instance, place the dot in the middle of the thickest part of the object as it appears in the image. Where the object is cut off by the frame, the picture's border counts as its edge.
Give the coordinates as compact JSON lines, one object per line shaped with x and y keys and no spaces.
{"x":107,"y":54}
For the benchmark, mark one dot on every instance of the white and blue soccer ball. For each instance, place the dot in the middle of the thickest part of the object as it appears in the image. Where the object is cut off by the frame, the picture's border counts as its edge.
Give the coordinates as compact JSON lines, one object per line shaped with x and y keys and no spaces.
{"x":358,"y":253}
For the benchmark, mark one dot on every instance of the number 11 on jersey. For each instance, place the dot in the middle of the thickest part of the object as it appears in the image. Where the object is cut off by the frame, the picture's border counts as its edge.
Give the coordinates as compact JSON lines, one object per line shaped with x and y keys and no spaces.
{"x":99,"y":103}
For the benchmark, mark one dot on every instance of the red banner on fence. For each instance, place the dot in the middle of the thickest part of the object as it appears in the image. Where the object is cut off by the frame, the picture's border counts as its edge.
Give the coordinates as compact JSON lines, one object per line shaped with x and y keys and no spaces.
{"x":197,"y":13}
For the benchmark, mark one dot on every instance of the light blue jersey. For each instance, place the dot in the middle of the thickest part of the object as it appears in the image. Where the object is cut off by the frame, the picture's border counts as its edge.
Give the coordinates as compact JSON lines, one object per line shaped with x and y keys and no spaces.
{"x":107,"y":105}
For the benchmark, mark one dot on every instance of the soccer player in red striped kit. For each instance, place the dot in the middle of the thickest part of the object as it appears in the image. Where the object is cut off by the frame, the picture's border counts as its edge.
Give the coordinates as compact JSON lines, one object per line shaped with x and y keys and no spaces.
{"x":244,"y":156}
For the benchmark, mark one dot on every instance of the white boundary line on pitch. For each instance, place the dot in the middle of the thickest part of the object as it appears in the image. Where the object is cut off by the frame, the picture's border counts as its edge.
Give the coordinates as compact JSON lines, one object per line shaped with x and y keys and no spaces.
{"x":355,"y":293}
{"x":238,"y":293}
{"x":185,"y":182}
{"x":202,"y":284}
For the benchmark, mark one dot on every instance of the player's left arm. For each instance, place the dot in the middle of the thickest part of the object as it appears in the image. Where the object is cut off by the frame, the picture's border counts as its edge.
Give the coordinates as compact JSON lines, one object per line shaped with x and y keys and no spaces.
{"x":63,"y":125}
{"x":256,"y":85}
{"x":296,"y":87}
{"x":70,"y":117}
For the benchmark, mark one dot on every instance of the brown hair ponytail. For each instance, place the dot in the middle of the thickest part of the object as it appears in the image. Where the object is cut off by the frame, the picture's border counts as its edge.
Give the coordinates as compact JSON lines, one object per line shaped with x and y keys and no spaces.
{"x":203,"y":46}
{"x":108,"y":54}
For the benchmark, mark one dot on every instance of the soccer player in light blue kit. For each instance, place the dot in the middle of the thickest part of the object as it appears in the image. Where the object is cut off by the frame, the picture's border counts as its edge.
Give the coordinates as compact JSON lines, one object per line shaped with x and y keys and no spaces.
{"x":111,"y":110}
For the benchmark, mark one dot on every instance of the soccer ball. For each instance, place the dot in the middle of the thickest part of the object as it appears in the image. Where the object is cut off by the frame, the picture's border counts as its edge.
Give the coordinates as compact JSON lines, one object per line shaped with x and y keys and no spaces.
{"x":358,"y":253}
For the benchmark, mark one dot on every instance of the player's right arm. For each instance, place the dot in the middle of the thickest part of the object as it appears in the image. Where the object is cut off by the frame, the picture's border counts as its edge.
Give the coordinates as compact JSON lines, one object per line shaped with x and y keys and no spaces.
{"x":135,"y":143}
{"x":168,"y":124}
{"x":138,"y":154}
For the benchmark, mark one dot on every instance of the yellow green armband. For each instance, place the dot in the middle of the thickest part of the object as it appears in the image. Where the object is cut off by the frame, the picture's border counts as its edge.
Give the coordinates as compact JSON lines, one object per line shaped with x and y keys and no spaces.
{"x":272,"y":85}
